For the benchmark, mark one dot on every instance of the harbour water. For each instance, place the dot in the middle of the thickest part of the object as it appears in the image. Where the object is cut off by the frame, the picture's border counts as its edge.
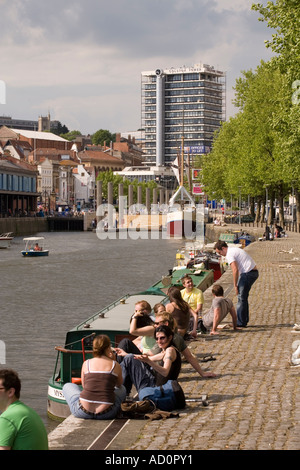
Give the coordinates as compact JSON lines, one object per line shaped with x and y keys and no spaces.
{"x":42,"y":298}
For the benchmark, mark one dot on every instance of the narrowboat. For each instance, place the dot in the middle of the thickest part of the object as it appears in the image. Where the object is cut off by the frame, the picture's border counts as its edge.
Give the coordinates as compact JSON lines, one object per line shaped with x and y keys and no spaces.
{"x":238,"y":238}
{"x":200,"y":257}
{"x":113,"y":321}
{"x":202,"y":279}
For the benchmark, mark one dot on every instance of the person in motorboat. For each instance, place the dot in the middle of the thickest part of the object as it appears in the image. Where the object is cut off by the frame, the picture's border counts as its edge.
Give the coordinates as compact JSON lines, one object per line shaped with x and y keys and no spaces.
{"x":102,"y":385}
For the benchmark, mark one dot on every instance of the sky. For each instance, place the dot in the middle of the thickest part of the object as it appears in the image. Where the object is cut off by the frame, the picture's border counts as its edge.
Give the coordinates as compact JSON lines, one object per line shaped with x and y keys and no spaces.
{"x":81,"y":60}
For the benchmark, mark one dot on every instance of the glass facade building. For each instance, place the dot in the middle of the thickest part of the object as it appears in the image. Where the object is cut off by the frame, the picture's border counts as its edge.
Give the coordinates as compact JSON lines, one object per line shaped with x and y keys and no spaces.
{"x":186,"y":102}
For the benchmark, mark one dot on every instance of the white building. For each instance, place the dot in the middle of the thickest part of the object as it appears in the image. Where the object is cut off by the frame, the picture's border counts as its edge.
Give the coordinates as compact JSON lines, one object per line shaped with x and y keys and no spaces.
{"x":181,"y":102}
{"x":84,"y":184}
{"x":45,"y":179}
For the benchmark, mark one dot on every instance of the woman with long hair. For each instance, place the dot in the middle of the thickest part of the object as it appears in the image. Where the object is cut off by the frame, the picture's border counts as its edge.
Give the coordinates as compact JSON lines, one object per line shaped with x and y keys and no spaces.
{"x":181,"y":311}
{"x":102,"y":384}
{"x":149,"y":371}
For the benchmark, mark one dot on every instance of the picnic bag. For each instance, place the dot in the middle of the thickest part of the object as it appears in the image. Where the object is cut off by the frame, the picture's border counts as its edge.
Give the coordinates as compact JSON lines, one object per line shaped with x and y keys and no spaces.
{"x":167,"y":397}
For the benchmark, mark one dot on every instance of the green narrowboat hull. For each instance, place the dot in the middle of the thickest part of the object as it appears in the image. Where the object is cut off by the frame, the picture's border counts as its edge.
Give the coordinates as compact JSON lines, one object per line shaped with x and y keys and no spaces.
{"x":202,"y":279}
{"x":112,"y":321}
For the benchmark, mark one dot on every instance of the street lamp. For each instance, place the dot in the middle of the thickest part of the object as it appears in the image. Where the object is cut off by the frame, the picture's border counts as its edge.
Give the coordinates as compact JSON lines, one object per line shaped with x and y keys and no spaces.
{"x":240,"y":203}
{"x":267,"y":204}
{"x":267,"y":228}
{"x":293,"y":195}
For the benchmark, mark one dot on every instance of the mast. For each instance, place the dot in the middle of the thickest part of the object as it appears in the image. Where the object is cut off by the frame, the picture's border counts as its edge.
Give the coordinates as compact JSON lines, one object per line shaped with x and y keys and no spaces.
{"x":182,"y":151}
{"x":182,"y":161}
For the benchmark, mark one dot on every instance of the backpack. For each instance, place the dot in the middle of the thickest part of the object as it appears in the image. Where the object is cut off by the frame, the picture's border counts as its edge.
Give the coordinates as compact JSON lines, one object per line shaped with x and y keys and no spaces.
{"x":167,"y":397}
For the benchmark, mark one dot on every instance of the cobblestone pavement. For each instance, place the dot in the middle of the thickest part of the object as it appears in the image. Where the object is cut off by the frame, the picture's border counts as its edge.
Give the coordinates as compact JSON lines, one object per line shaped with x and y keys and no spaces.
{"x":254,"y":403}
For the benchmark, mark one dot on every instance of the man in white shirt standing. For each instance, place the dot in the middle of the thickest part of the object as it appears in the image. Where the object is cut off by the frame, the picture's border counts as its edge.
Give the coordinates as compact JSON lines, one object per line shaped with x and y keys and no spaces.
{"x":244,"y":272}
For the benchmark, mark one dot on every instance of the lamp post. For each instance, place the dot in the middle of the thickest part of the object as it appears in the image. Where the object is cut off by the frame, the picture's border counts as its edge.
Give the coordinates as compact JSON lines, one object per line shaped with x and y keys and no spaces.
{"x":240,"y":203}
{"x":267,"y":204}
{"x":267,"y":227}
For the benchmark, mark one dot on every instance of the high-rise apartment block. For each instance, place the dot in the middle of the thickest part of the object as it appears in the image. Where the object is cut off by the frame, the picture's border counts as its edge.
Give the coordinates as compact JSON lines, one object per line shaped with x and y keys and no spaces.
{"x":181,"y":102}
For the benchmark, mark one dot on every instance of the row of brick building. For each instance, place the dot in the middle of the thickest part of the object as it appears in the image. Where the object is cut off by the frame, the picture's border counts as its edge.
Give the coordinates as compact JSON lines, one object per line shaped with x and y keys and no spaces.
{"x":41,"y":167}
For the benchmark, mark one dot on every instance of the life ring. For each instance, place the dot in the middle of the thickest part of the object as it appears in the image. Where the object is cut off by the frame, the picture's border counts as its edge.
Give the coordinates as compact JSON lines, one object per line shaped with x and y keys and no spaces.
{"x":76,"y":380}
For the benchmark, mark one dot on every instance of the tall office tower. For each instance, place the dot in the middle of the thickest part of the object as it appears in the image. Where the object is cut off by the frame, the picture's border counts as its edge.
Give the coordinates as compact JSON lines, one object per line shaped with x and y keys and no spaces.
{"x":181,"y":102}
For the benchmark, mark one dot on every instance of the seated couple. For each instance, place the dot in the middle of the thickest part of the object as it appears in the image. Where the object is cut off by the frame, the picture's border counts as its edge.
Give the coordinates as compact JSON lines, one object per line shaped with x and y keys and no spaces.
{"x":102,"y":376}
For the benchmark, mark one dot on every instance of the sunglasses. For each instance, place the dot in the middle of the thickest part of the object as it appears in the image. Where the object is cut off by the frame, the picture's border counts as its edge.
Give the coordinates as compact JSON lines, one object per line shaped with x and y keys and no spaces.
{"x":161,"y":338}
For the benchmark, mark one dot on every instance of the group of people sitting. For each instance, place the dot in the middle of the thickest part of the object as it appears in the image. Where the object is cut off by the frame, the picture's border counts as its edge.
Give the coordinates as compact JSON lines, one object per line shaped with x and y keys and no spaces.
{"x":153,"y":358}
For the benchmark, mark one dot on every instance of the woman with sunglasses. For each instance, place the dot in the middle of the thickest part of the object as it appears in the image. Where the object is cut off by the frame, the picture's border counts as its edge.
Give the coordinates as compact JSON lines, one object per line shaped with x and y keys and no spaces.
{"x":149,"y":371}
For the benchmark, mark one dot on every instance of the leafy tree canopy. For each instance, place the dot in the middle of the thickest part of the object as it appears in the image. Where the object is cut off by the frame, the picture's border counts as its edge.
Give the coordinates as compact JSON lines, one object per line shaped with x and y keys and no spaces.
{"x":103,"y":135}
{"x":70,"y":135}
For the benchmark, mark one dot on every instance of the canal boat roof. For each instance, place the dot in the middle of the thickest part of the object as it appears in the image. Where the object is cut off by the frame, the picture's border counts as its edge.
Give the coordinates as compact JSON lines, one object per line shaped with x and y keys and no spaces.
{"x":116,"y":316}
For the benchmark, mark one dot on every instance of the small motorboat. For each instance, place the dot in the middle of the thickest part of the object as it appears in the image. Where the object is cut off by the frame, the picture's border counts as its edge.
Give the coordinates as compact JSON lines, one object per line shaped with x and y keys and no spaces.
{"x":34,"y":246}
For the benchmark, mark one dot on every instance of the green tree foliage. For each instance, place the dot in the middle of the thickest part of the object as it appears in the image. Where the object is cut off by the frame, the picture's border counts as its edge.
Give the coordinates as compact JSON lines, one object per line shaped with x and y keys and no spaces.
{"x":101,"y":136}
{"x":70,"y":135}
{"x":259,"y":147}
{"x":284,"y":17}
{"x":59,"y":129}
{"x":108,"y":176}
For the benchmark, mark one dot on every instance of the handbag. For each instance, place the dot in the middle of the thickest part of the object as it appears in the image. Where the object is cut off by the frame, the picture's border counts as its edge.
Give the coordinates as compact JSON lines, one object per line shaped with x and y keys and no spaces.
{"x":167,"y":397}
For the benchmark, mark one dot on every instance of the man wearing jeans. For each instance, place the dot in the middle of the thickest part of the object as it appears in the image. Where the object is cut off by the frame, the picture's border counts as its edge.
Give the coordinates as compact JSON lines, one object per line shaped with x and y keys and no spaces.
{"x":244,"y":272}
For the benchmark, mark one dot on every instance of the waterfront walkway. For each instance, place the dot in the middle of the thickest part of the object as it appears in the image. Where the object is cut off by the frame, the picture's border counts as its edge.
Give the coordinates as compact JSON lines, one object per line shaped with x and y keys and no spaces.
{"x":254,"y":402}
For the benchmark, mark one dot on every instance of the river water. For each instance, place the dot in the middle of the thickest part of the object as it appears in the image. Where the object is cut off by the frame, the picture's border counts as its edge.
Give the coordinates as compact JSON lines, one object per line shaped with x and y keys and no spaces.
{"x":42,"y":298}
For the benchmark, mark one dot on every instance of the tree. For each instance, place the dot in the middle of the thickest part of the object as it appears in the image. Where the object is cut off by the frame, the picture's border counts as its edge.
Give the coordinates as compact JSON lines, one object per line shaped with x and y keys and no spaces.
{"x":101,"y":136}
{"x":246,"y":154}
{"x":109,"y":176}
{"x":70,"y":135}
{"x":59,"y":129}
{"x":284,"y":17}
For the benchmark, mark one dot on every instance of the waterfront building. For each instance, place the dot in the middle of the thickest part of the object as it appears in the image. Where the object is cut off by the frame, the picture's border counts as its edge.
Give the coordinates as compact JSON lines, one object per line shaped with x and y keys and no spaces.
{"x":18,"y":187}
{"x":181,"y":102}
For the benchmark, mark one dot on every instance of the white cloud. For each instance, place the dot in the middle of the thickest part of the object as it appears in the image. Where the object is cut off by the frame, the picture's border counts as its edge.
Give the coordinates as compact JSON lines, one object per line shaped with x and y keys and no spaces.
{"x":232,"y":5}
{"x":83,"y":60}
